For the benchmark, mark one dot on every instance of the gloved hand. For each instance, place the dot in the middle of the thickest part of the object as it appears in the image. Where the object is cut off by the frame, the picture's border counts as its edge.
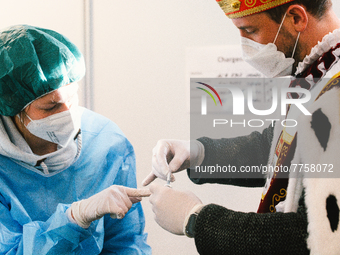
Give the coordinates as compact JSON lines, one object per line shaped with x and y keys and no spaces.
{"x":174,"y":156}
{"x":115,"y":200}
{"x":172,"y":207}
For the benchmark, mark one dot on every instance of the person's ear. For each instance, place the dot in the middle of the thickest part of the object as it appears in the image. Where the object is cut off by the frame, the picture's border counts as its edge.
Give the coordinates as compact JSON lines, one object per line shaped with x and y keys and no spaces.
{"x":299,"y":17}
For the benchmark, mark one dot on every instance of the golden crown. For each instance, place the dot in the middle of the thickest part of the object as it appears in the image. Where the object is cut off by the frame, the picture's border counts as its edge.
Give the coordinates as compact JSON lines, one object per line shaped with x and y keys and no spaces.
{"x":240,"y":8}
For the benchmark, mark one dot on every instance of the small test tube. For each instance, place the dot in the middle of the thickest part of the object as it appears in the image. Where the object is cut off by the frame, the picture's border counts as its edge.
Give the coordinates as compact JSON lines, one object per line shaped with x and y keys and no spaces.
{"x":168,"y":179}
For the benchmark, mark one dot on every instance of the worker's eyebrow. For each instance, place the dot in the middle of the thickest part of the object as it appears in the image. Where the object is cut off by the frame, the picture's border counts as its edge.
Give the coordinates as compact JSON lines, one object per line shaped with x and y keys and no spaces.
{"x":245,"y":27}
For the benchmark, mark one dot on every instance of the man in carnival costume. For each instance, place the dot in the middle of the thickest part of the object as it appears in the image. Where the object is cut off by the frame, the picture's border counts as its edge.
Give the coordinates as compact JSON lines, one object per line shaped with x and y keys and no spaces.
{"x":296,"y":214}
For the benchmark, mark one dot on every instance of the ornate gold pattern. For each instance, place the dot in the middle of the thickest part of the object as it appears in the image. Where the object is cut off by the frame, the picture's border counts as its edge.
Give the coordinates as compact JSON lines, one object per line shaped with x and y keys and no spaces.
{"x":333,"y":82}
{"x":227,"y":7}
{"x":236,"y":5}
{"x":287,"y":137}
{"x":230,"y":5}
{"x":277,"y":198}
{"x":250,"y":3}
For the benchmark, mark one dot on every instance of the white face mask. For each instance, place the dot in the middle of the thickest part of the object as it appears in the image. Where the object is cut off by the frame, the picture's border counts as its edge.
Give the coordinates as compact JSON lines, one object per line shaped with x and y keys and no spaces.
{"x":266,"y":58}
{"x":59,"y":128}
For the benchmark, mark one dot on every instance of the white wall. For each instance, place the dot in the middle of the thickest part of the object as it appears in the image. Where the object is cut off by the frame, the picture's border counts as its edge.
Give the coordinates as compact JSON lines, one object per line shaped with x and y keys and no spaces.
{"x":63,"y":16}
{"x":139,"y":78}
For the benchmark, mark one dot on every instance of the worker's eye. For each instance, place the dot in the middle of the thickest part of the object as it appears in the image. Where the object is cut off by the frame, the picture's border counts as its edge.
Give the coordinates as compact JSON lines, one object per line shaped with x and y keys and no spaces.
{"x":50,"y":108}
{"x":250,"y":30}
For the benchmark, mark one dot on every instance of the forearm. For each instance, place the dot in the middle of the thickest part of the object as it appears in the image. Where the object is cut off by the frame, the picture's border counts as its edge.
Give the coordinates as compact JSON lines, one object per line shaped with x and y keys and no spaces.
{"x":222,"y":231}
{"x":250,"y":150}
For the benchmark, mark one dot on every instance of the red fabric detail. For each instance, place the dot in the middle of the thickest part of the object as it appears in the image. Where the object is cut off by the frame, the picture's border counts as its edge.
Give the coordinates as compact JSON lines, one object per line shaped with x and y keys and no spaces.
{"x":254,"y":4}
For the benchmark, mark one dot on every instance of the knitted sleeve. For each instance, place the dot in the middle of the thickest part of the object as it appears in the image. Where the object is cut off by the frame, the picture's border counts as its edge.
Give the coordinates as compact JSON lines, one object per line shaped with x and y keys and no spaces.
{"x":222,"y":231}
{"x":250,"y":150}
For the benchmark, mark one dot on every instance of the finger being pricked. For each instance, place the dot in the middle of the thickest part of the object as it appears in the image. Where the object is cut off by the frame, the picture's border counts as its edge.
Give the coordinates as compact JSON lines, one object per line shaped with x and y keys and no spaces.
{"x":157,"y":192}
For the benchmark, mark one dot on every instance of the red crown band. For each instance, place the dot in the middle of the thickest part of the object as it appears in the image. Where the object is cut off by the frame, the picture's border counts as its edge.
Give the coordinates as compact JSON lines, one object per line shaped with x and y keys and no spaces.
{"x":240,"y":8}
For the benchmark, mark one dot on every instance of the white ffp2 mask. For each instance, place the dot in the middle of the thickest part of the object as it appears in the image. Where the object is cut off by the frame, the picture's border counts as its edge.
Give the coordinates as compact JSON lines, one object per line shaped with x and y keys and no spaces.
{"x":266,"y":58}
{"x":59,"y":128}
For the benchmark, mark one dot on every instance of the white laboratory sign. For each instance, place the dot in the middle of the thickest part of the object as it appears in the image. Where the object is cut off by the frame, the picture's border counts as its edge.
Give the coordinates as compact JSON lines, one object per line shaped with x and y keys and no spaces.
{"x":226,"y":62}
{"x":218,"y":62}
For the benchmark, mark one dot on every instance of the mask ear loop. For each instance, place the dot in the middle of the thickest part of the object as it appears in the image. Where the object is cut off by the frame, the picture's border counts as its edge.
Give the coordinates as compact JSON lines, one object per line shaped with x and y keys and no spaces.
{"x":28,"y":118}
{"x":21,"y":119}
{"x":297,"y":40}
{"x":277,"y":34}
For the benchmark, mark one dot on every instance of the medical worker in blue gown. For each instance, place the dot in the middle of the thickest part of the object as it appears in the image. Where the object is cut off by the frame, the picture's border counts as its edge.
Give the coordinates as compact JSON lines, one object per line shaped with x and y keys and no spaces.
{"x":67,"y":174}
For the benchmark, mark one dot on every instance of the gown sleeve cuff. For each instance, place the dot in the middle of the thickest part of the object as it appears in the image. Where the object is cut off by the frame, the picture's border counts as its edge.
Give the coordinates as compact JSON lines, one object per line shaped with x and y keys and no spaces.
{"x":69,"y":215}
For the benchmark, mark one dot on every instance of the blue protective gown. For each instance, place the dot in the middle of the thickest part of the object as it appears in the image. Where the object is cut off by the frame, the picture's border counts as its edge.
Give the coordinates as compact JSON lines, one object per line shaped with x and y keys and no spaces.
{"x":33,"y":205}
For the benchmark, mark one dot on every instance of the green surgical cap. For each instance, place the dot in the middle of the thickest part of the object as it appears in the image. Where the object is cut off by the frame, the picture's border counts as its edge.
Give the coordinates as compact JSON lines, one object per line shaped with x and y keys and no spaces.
{"x":33,"y":62}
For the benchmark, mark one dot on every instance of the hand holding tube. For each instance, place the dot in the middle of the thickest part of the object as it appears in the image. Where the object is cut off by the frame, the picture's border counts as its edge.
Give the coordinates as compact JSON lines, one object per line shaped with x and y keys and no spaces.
{"x":173,"y":156}
{"x":115,"y":200}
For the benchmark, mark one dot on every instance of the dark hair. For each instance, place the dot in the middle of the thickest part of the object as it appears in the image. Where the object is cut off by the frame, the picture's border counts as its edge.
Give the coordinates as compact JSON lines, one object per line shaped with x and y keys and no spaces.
{"x":315,"y":7}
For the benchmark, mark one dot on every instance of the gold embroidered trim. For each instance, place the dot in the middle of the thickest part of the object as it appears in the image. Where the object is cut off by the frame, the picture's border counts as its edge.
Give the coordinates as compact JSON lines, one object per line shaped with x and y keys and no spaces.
{"x":277,"y":198}
{"x":226,"y":6}
{"x":287,"y":137}
{"x":230,"y":5}
{"x":334,"y":81}
{"x":250,"y":3}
